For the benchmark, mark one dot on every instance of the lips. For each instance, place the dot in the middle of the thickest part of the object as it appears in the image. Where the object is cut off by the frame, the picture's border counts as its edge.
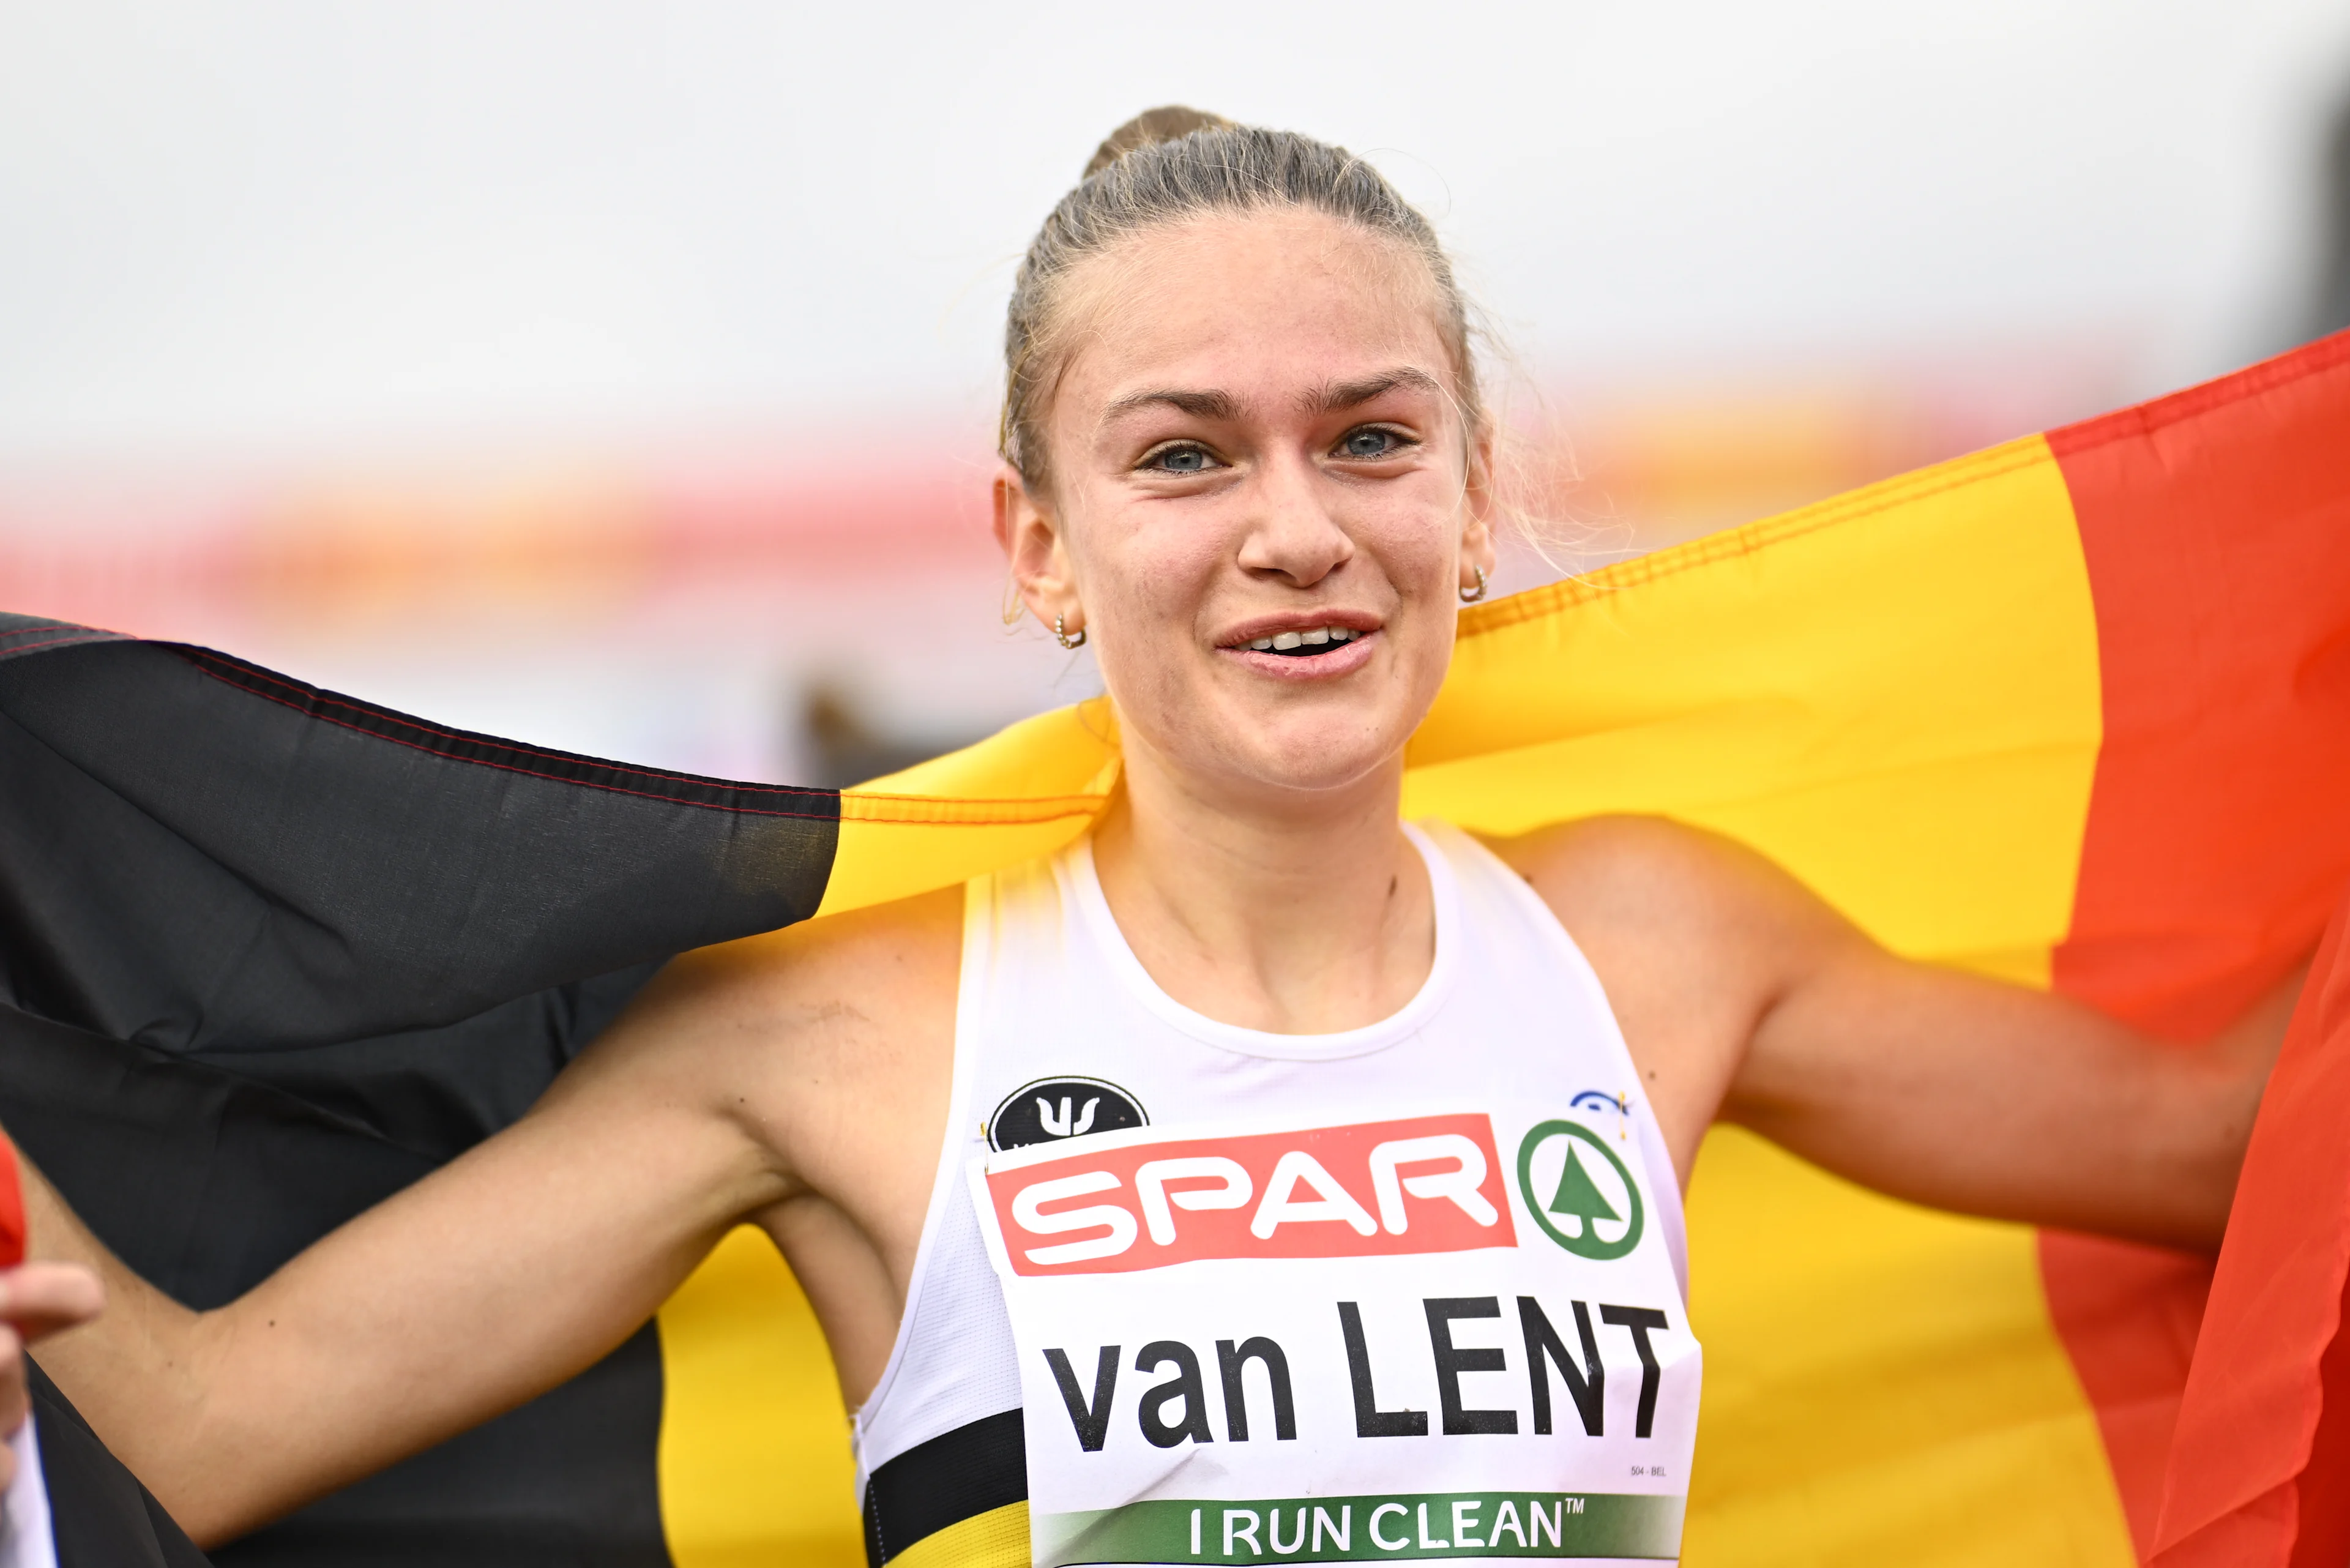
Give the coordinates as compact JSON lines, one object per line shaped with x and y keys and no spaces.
{"x":1304,"y":646}
{"x":1264,"y":632}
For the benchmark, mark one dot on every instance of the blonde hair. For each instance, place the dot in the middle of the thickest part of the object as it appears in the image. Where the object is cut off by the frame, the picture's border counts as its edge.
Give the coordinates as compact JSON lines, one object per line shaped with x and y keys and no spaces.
{"x":1171,"y":164}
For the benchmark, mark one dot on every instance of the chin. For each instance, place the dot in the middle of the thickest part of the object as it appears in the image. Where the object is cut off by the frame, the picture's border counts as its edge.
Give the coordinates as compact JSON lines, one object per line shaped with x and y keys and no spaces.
{"x":1288,"y":743}
{"x":1312,"y":758}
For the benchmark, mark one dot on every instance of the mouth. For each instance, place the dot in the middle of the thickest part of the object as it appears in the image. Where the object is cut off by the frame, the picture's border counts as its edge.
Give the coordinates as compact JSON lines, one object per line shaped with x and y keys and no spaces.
{"x":1304,"y":644}
{"x":1287,"y":648}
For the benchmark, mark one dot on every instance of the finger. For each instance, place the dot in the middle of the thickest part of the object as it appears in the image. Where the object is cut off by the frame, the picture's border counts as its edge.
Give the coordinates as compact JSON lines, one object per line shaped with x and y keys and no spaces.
{"x":14,"y":1404}
{"x":40,"y":1299}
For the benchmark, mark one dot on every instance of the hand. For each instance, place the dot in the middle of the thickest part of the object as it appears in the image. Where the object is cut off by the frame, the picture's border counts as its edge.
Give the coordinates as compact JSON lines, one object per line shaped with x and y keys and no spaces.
{"x":36,"y":1300}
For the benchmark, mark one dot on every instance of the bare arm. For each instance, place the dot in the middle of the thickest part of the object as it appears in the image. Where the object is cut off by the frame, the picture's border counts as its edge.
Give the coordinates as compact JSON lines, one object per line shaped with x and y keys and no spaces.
{"x":491,"y":1281}
{"x":1746,"y":999}
{"x":1967,"y":1094}
{"x":509,"y":1269}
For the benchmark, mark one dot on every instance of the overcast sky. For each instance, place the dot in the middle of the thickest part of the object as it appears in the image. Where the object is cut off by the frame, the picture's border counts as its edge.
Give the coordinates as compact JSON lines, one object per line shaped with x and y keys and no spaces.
{"x":306,"y":228}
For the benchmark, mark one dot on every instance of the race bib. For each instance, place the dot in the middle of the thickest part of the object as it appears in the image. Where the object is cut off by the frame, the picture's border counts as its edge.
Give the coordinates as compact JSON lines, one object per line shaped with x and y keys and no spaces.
{"x":1447,"y":1335}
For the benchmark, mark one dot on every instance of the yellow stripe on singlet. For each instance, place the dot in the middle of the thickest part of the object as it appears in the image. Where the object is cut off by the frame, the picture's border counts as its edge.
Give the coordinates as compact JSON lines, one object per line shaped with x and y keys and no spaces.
{"x":996,"y":1538}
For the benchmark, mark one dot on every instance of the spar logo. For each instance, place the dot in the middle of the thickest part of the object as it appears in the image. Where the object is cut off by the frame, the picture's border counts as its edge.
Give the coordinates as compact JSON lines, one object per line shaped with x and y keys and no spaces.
{"x":1578,"y":1191}
{"x":1144,"y":1200}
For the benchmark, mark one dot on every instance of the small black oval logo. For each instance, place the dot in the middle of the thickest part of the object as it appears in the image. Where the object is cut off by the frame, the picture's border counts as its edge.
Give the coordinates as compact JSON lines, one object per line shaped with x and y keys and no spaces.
{"x":1053,"y":1108}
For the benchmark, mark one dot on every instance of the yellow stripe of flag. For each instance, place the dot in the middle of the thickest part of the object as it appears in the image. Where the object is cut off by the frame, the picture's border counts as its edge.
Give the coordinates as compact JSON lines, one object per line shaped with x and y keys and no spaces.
{"x":1896,"y":695}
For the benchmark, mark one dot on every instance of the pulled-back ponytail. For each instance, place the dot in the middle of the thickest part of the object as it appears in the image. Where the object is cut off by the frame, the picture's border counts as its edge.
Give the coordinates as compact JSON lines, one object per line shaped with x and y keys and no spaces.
{"x":1170,"y":164}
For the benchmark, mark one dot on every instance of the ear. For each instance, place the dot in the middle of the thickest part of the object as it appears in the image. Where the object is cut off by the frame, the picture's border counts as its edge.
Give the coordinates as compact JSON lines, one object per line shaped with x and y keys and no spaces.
{"x":1031,"y":538}
{"x":1480,"y":505}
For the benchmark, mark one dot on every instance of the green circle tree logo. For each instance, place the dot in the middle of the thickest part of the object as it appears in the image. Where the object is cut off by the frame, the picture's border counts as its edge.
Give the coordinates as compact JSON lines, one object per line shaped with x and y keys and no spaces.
{"x":1575,"y":1198}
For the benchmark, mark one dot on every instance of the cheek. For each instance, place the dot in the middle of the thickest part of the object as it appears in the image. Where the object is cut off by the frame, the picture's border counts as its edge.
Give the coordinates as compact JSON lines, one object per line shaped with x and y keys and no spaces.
{"x":1142,"y":570}
{"x":1146,"y":582}
{"x":1417,"y":538}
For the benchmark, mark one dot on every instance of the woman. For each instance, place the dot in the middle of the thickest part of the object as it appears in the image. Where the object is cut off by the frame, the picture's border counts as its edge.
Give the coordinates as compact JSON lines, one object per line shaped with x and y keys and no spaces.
{"x":1298,"y":1169}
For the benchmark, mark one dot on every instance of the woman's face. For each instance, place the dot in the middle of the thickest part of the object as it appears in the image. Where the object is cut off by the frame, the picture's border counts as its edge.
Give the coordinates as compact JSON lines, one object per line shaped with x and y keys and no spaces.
{"x":1254,"y":441}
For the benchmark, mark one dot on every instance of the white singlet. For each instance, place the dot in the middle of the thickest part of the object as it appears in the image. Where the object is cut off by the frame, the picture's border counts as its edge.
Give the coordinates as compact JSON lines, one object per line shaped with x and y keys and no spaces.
{"x":1193,"y":1289}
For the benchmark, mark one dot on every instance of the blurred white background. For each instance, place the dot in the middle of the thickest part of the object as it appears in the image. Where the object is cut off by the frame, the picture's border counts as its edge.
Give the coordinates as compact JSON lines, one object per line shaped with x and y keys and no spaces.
{"x":621,"y":376}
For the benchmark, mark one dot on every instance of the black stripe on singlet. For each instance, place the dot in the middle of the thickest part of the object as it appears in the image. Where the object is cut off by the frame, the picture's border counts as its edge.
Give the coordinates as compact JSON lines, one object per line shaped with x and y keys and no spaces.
{"x":931,"y":1486}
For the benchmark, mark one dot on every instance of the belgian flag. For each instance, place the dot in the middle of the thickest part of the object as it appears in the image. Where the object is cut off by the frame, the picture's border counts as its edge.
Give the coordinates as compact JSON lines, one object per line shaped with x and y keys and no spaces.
{"x":2074,"y":710}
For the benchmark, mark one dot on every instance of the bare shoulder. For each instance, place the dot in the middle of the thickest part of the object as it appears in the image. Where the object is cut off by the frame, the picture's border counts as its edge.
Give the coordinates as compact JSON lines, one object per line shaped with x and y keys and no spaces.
{"x":772,"y":1025}
{"x":1693,"y":936}
{"x":879,"y":961}
{"x":1651,"y":873}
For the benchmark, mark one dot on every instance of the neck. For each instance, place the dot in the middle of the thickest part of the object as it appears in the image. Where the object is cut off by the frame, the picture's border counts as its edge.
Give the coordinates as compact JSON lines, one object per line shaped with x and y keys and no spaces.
{"x":1304,"y":915}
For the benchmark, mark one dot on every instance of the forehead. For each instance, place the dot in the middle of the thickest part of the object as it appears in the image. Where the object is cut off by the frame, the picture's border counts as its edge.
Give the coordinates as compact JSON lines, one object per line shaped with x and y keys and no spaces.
{"x":1266,"y":306}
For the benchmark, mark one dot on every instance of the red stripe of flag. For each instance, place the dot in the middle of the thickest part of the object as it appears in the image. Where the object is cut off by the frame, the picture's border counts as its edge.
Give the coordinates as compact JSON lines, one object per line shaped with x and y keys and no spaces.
{"x":2259,"y":1471}
{"x":2216,"y":526}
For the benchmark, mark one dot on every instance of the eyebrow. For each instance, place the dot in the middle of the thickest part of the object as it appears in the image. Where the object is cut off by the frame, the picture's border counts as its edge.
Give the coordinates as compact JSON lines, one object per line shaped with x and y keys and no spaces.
{"x":1353,"y":394}
{"x":1211,"y":404}
{"x":1208,"y":405}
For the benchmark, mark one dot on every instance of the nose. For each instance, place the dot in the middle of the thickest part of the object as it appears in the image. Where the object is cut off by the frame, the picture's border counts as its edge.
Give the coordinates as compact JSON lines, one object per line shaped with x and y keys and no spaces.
{"x":1293,"y":533}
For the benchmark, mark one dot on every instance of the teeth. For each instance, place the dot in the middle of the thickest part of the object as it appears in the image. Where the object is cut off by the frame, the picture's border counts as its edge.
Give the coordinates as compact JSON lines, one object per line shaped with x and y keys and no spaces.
{"x":1314,"y":637}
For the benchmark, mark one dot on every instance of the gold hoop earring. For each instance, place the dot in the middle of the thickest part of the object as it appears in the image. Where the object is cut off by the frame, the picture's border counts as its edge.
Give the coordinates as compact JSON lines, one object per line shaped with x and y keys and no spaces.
{"x":1471,"y":596}
{"x":1062,"y":636}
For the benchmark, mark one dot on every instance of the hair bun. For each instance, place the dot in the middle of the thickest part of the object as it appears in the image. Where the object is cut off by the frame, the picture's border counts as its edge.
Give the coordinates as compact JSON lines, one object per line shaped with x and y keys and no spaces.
{"x":1149,"y":129}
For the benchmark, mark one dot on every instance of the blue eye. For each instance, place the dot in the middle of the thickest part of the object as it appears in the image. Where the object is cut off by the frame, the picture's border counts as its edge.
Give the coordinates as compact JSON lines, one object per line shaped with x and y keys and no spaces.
{"x":1369,"y":443}
{"x":1181,"y":460}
